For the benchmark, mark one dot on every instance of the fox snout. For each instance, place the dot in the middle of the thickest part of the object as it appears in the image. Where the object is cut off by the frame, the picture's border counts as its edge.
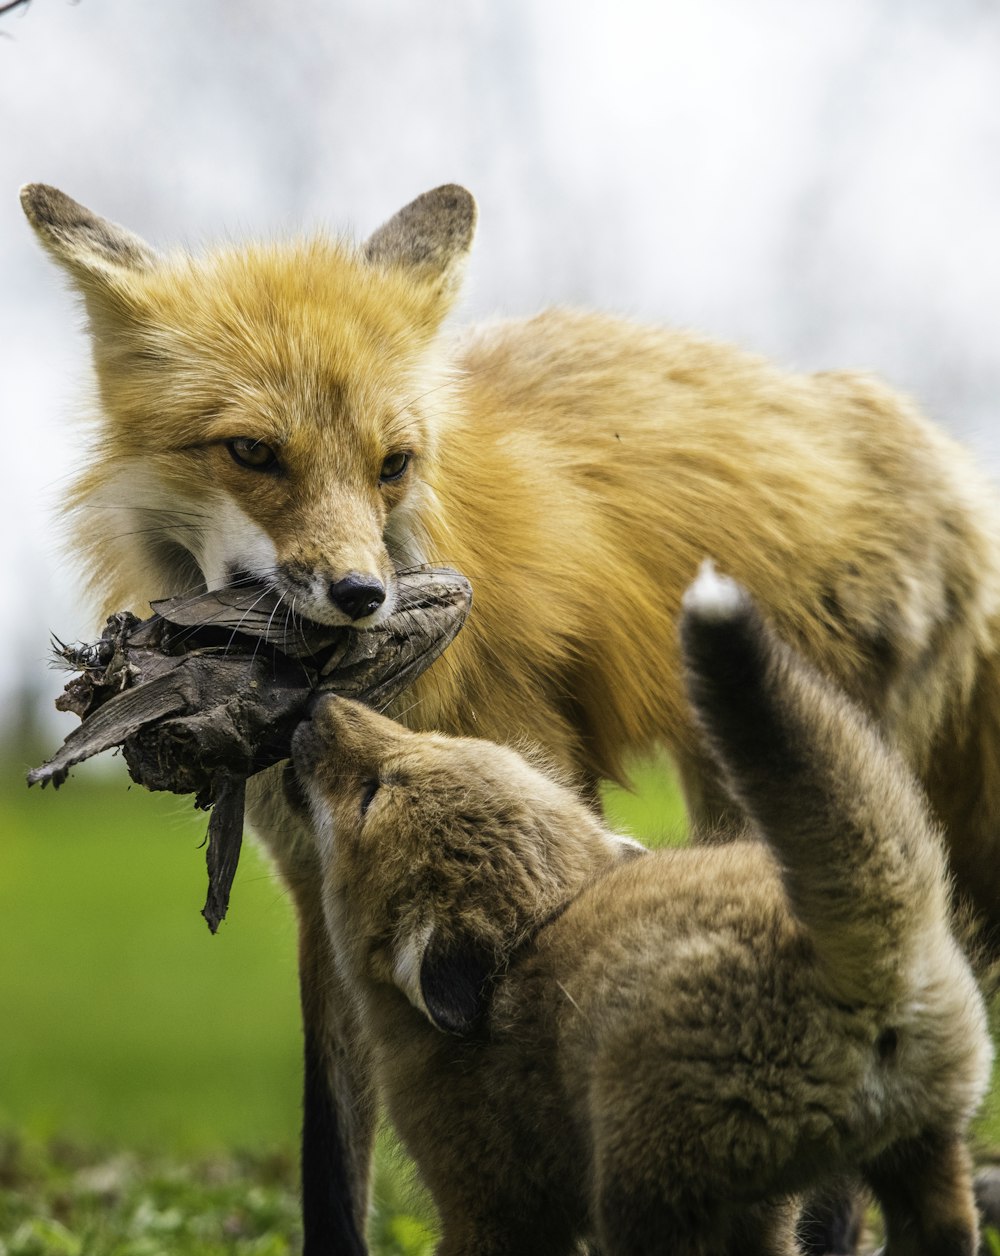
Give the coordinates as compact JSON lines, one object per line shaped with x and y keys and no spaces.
{"x":342,"y":735}
{"x":357,"y":594}
{"x":327,"y":578}
{"x":328,"y":595}
{"x":315,"y":742}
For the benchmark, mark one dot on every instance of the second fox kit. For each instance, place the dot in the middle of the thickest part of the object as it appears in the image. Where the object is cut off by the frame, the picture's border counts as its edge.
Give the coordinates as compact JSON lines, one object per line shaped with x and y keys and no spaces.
{"x":294,"y":413}
{"x":658,"y":1050}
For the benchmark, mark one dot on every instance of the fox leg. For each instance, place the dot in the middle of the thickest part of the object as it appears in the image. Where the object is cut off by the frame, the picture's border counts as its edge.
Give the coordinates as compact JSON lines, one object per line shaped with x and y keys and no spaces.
{"x":831,"y":1219}
{"x":643,"y":1227}
{"x":338,"y":1110}
{"x":925,"y":1189}
{"x":338,"y":1113}
{"x":712,"y":814}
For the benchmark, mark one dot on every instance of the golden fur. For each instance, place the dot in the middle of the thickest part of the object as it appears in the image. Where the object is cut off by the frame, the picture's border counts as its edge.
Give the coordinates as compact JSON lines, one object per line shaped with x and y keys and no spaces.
{"x":658,"y":1051}
{"x":576,"y":467}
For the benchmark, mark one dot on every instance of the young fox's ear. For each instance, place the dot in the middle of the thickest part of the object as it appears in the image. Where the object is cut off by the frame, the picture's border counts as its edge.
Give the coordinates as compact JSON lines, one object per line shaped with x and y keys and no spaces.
{"x":431,"y":236}
{"x":446,"y":978}
{"x":92,"y":249}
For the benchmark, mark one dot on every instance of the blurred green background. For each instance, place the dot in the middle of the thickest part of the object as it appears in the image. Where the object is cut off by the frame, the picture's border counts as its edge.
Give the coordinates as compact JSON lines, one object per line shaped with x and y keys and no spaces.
{"x":123,"y":1018}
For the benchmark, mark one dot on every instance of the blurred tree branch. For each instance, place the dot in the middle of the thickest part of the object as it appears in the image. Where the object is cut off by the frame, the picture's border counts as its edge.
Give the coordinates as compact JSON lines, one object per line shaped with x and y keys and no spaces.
{"x":10,"y":5}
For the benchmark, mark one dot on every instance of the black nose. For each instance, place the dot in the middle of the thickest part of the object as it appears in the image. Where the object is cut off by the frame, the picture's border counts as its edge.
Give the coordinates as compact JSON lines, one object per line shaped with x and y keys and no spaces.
{"x":357,"y":595}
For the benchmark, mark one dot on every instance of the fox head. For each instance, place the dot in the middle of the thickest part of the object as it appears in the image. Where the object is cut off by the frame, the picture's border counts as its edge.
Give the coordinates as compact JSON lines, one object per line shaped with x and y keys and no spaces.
{"x":265,"y":411}
{"x":449,"y":851}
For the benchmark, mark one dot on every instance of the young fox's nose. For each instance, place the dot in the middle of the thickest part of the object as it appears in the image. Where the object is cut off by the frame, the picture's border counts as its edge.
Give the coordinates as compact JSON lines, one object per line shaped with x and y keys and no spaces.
{"x":357,"y":595}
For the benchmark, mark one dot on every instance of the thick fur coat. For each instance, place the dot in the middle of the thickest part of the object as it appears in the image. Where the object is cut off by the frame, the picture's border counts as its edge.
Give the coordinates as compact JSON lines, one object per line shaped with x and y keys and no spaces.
{"x":579,"y":1041}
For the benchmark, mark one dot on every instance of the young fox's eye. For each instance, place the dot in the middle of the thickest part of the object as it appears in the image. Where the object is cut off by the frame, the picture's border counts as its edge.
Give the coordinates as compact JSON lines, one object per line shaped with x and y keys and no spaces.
{"x":371,"y":789}
{"x":393,"y":467}
{"x":252,"y":453}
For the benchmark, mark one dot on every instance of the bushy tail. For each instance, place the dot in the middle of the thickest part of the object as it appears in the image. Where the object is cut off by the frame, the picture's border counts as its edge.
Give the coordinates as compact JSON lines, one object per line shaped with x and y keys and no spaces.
{"x":862,"y":862}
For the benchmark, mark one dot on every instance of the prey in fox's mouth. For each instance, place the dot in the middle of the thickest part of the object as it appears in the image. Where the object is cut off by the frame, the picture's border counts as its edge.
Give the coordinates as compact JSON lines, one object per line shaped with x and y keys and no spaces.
{"x":209,"y":691}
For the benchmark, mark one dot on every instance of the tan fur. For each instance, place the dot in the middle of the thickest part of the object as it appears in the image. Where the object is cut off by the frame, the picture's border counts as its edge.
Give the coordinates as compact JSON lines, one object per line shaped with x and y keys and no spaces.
{"x":576,"y":467}
{"x":658,"y":1051}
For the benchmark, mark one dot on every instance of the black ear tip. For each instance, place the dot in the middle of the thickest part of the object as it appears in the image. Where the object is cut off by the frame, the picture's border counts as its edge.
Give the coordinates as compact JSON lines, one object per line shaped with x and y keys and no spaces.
{"x":454,"y":192}
{"x":455,"y":982}
{"x":456,"y":200}
{"x":39,"y":202}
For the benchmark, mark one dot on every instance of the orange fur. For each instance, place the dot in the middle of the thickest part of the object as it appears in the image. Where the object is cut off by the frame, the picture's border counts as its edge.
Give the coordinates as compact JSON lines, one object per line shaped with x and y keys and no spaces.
{"x":576,"y":468}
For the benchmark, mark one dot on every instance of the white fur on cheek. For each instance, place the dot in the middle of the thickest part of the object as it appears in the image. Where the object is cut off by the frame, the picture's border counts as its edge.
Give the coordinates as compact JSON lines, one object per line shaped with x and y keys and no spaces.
{"x":212,"y":527}
{"x":134,"y":487}
{"x":133,"y":509}
{"x":232,"y":539}
{"x":322,"y":823}
{"x":403,"y":530}
{"x":409,"y":960}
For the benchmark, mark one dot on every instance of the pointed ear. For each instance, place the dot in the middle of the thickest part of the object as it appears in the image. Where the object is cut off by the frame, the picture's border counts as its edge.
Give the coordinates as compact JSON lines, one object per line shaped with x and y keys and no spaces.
{"x":93,"y":250}
{"x":431,"y":236}
{"x":448,"y":978}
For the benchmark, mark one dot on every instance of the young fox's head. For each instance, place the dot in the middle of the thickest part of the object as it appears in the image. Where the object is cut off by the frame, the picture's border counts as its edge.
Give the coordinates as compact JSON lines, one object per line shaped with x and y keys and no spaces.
{"x":265,"y":411}
{"x":446,"y":851}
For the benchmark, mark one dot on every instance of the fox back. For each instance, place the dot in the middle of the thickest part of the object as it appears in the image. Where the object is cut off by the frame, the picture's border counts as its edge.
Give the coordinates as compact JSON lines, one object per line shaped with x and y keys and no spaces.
{"x":293,"y":413}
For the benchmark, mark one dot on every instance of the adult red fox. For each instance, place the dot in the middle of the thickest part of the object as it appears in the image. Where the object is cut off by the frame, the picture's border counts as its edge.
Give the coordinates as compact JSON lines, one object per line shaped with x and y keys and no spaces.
{"x":293,"y":413}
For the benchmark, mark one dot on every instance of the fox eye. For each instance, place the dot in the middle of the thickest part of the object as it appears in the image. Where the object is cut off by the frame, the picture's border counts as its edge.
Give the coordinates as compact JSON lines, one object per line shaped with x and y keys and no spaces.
{"x":394,"y":466}
{"x":371,"y":789}
{"x":251,"y":453}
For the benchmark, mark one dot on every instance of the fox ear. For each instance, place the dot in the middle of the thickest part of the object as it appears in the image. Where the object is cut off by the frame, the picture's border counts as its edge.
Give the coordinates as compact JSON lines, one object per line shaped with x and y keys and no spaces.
{"x":431,"y":236}
{"x":93,"y":250}
{"x":446,"y":978}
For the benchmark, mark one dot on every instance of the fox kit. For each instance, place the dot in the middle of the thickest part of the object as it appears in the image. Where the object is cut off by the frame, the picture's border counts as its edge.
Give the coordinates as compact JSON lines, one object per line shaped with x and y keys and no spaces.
{"x":658,"y":1050}
{"x":294,"y":414}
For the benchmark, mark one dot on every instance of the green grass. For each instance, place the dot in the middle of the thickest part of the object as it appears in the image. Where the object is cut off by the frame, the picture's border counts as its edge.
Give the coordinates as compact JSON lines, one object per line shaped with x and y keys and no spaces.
{"x":652,"y":810}
{"x":63,"y":1199}
{"x":123,"y":1018}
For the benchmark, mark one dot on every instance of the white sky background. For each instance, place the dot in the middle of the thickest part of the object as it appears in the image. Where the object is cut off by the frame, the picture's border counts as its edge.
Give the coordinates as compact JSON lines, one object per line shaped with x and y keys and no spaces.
{"x":818,"y":181}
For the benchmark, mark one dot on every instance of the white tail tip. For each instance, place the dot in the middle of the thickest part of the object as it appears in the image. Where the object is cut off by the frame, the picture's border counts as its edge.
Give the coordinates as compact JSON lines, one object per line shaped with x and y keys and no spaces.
{"x":712,"y":596}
